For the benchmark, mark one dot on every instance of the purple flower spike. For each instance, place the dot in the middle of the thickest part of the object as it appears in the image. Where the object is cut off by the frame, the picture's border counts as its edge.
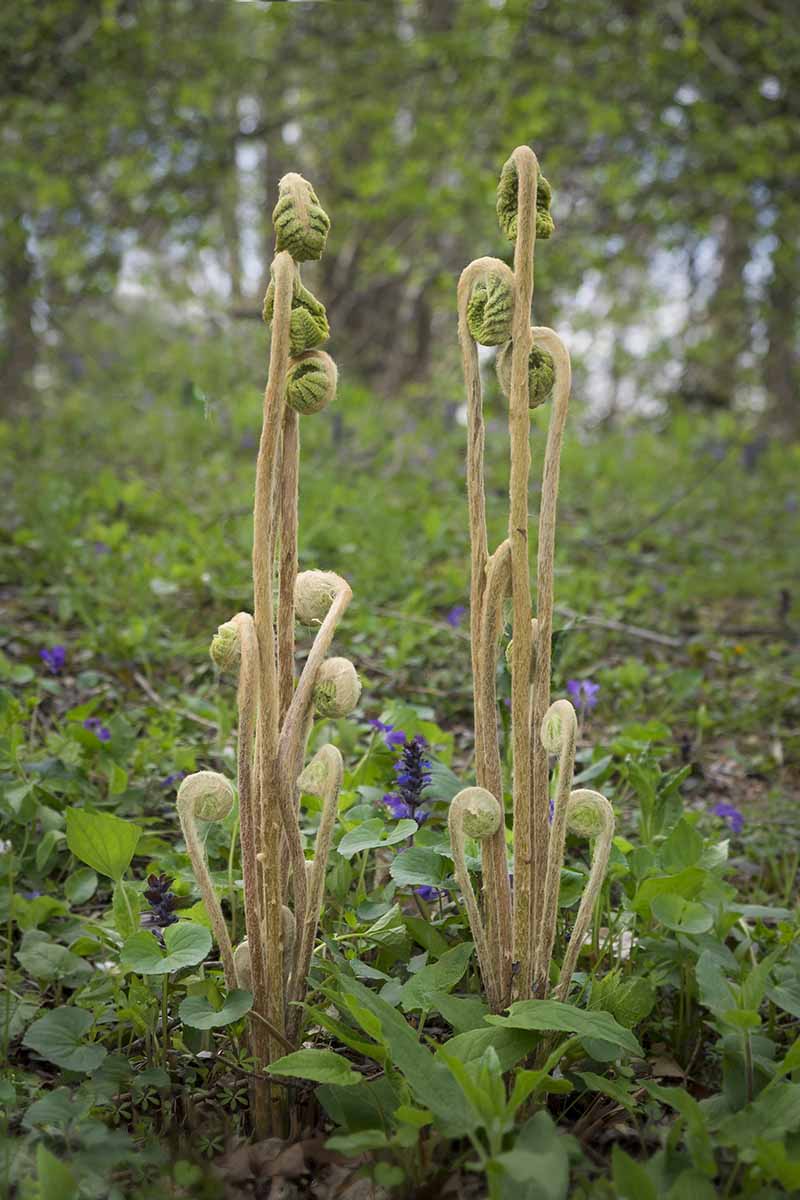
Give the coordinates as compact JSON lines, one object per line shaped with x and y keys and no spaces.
{"x":731,"y":815}
{"x":456,"y":615}
{"x":379,"y":726}
{"x":396,"y":738}
{"x":172,"y":779}
{"x":54,"y":659}
{"x":583,"y":693}
{"x":96,"y":726}
{"x":398,"y":807}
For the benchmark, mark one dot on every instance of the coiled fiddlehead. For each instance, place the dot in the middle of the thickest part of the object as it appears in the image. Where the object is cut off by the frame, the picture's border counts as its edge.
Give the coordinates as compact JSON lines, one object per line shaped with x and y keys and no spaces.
{"x":558,"y":733}
{"x":589,"y":815}
{"x":541,"y":374}
{"x":207,"y":796}
{"x":475,"y":813}
{"x":308,"y":323}
{"x":508,"y":202}
{"x":336,"y":688}
{"x":490,"y":305}
{"x":311,"y":382}
{"x":300,"y":222}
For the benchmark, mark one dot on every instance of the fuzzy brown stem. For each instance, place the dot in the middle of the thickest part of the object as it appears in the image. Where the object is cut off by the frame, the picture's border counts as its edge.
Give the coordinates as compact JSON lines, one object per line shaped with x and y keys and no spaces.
{"x":519,"y":429}
{"x":197,"y":858}
{"x":290,"y":470}
{"x":547,"y":340}
{"x":602,"y":850}
{"x":563,"y":715}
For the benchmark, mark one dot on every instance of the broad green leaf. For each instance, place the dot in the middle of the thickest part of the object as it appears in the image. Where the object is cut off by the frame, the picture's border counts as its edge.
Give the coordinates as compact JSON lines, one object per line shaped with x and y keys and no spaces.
{"x":608,"y":1087}
{"x":698,"y":1140}
{"x":321,"y":1066}
{"x":126,"y":905}
{"x":57,"y":1108}
{"x":682,"y":848}
{"x":426,"y":935}
{"x":464,"y":1013}
{"x":49,"y":961}
{"x":537,"y":1168}
{"x":196,"y":1011}
{"x":773,"y":1114}
{"x":715,"y":991}
{"x":631,"y":1179}
{"x":102,"y":841}
{"x":510,"y":1045}
{"x":373,"y":834}
{"x":352,"y":1144}
{"x":684,"y":916}
{"x":546,"y":1015}
{"x":686,"y":883}
{"x":58,"y":1037}
{"x":419,"y":866}
{"x":56,"y":1181}
{"x":187,"y":945}
{"x":440,"y":976}
{"x":365,"y":1107}
{"x":81,"y":885}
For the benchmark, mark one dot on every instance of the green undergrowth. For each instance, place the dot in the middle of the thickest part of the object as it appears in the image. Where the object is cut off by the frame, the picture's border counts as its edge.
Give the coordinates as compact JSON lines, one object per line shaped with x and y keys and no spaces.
{"x":672,"y":1071}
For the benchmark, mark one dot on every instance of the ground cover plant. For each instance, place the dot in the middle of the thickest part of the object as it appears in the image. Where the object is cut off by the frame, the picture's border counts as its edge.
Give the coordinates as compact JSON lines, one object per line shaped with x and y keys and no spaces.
{"x":131,"y":1060}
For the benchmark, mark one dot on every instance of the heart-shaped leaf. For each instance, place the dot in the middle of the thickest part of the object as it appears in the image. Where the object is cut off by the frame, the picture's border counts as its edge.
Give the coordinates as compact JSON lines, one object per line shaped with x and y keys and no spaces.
{"x":102,"y":841}
{"x":196,"y":1011}
{"x":187,"y":945}
{"x":58,"y":1037}
{"x":685,"y":916}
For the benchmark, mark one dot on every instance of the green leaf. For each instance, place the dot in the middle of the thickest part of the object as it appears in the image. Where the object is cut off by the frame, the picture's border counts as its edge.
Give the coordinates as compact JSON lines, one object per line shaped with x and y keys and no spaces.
{"x":58,"y":1037}
{"x":419,"y":866}
{"x":686,"y":883}
{"x":682,"y":849}
{"x":56,"y":1181}
{"x":361,"y":1142}
{"x":510,"y":1045}
{"x":372,"y":834}
{"x":608,"y":1087}
{"x":321,"y":1066}
{"x":464,"y":1013}
{"x":51,"y":962}
{"x":440,"y":976}
{"x":546,"y":1015}
{"x":81,"y":885}
{"x":631,"y":1179}
{"x":126,"y":905}
{"x":187,"y":945}
{"x":684,"y":916}
{"x":537,"y":1168}
{"x":196,"y":1011}
{"x":102,"y":841}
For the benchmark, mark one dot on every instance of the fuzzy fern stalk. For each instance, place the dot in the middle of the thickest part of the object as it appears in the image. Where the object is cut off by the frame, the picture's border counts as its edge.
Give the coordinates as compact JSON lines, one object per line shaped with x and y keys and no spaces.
{"x":515,"y":937}
{"x":275,"y":711}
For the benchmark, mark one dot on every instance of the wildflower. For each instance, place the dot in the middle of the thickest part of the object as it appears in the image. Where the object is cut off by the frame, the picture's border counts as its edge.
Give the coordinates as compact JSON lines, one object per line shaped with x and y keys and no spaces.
{"x":456,"y":615}
{"x":96,"y":726}
{"x":172,"y":779}
{"x":379,"y":726}
{"x":54,"y":659}
{"x":396,"y":738}
{"x":101,"y":547}
{"x":162,"y":902}
{"x":426,"y":892}
{"x":731,"y":815}
{"x":583,"y":693}
{"x":412,"y":776}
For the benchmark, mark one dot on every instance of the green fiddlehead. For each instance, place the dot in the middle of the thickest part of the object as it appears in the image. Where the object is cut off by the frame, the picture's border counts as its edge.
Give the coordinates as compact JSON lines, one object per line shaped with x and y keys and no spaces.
{"x":300,"y":222}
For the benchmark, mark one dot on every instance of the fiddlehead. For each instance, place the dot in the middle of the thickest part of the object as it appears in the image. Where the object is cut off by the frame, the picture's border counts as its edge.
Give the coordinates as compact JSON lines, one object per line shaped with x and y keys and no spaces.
{"x":308,"y":322}
{"x":488,"y":291}
{"x":300,"y":222}
{"x":475,"y":813}
{"x":541,"y":373}
{"x":314,"y":594}
{"x":207,"y":796}
{"x":558,"y":733}
{"x":589,"y":815}
{"x":311,"y":382}
{"x":508,"y":202}
{"x":336,"y":688}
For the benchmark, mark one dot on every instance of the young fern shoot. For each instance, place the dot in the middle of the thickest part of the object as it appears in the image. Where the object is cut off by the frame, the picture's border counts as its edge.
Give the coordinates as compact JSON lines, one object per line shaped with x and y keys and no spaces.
{"x":275,"y":713}
{"x":515,"y":940}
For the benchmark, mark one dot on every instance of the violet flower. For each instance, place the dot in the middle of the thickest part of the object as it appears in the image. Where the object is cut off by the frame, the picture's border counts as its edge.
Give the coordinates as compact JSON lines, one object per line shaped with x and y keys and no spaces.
{"x":583,"y":693}
{"x":96,"y":726}
{"x":426,"y":892}
{"x":456,"y":615}
{"x":54,"y":659}
{"x":731,"y":815}
{"x":412,"y":772}
{"x":162,"y":902}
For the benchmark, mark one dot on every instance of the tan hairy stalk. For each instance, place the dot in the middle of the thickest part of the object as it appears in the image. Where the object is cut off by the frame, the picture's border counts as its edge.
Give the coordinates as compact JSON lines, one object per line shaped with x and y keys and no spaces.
{"x":559,"y":730}
{"x":519,"y":431}
{"x":476,"y":813}
{"x":290,"y":472}
{"x":589,"y":815}
{"x":549,"y":341}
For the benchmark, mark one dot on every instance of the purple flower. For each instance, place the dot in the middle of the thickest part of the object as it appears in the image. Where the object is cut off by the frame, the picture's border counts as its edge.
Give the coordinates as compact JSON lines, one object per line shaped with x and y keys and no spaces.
{"x":456,"y":615}
{"x":101,"y":547}
{"x":379,"y":726}
{"x":552,"y":811}
{"x":96,"y":726}
{"x":396,"y":738}
{"x":162,"y":902}
{"x":174,"y":778}
{"x":731,"y":815}
{"x":398,"y":807}
{"x":425,"y":892}
{"x":583,"y":693}
{"x":54,"y":659}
